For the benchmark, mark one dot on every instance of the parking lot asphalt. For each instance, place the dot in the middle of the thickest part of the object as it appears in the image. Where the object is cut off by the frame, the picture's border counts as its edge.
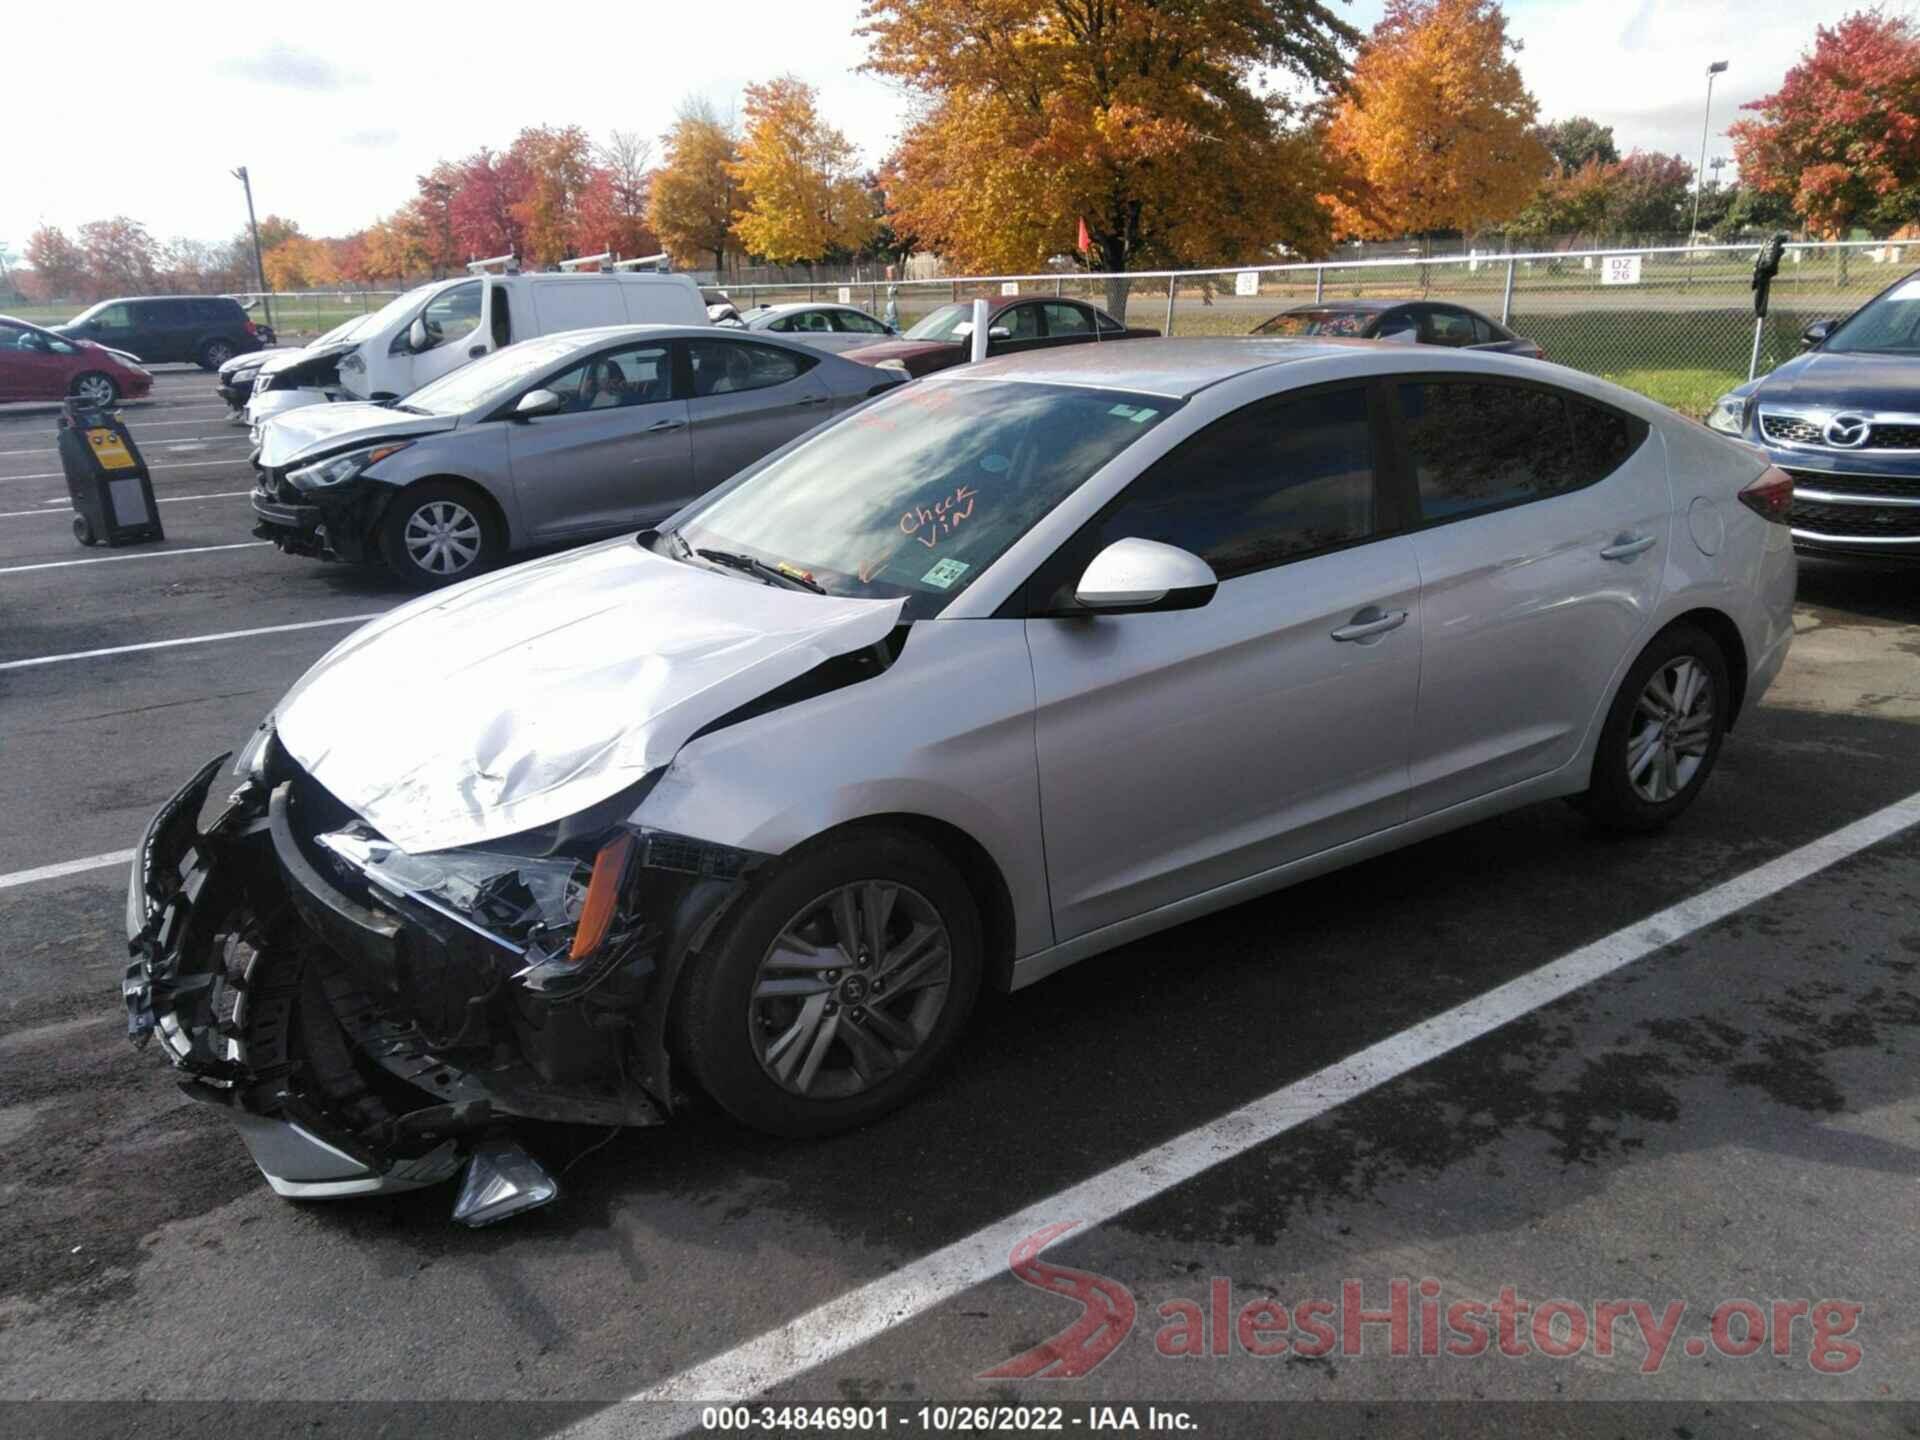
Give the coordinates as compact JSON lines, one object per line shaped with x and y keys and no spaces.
{"x":1734,"y":1116}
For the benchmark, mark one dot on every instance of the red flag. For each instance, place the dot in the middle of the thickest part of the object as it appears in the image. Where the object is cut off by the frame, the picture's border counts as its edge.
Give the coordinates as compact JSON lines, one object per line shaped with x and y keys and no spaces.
{"x":1086,"y":240}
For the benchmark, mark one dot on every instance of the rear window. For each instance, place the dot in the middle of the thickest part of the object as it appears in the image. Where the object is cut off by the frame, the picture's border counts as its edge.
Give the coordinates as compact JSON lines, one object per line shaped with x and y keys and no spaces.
{"x":1317,"y":322}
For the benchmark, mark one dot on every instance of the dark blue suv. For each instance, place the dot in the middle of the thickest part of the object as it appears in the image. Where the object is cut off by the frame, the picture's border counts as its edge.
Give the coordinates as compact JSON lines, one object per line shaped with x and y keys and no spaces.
{"x":1844,"y":420}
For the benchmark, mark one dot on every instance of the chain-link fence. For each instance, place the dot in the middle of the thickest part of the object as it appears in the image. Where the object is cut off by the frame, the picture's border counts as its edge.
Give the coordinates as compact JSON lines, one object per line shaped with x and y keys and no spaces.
{"x":1675,"y":324}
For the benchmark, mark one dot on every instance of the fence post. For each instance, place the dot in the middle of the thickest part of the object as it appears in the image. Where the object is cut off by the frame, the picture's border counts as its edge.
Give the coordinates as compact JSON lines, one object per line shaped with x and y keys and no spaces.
{"x":1319,"y":283}
{"x":1059,"y":287}
{"x":1171,"y":282}
{"x":956,"y":290}
{"x":1506,"y":297}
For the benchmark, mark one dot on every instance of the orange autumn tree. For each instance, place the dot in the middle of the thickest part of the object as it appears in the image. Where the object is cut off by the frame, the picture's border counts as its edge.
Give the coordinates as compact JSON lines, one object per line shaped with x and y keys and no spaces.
{"x":1157,"y":123}
{"x":1435,"y":130}
{"x":801,"y":179}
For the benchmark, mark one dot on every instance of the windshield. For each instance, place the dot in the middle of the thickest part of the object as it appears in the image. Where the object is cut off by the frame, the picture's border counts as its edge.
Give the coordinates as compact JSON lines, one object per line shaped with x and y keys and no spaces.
{"x":1317,"y":322}
{"x":942,"y":323}
{"x":918,"y":493}
{"x":1889,"y":325}
{"x":492,"y":378}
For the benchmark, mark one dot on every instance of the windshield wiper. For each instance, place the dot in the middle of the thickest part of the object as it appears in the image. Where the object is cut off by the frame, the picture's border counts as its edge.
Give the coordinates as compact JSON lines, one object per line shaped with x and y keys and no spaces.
{"x":773,"y":574}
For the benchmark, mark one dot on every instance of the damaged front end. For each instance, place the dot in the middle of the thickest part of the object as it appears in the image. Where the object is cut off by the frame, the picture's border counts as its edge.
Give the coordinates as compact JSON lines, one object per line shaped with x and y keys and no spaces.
{"x":375,"y":1020}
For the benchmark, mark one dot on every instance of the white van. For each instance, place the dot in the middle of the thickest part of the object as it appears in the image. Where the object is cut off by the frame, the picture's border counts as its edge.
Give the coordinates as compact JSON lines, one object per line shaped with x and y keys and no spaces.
{"x":440,"y":327}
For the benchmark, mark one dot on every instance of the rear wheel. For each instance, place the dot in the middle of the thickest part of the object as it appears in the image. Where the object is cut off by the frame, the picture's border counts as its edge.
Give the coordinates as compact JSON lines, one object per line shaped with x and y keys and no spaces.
{"x":215,"y":353}
{"x":439,"y":532}
{"x":836,"y":987}
{"x":94,"y":388}
{"x":1663,"y":734}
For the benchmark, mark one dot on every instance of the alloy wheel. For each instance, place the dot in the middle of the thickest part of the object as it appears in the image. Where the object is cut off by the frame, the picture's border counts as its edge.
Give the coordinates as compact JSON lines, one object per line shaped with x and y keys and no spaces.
{"x":218,"y":353}
{"x":1671,"y":730}
{"x":850,"y":989}
{"x":442,"y":537}
{"x":95,"y":390}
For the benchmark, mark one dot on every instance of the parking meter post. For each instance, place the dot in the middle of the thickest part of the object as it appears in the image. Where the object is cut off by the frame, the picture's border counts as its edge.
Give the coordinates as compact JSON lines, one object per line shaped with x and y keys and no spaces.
{"x":978,"y":339}
{"x":1506,"y":298}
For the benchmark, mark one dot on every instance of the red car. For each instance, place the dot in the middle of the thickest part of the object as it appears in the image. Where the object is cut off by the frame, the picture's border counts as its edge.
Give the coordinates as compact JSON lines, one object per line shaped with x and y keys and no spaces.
{"x":1016,"y":324}
{"x":37,"y":364}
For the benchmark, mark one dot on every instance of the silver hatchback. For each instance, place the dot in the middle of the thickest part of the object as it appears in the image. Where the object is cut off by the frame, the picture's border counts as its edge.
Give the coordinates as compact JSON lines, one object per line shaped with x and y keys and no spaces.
{"x":555,"y":440}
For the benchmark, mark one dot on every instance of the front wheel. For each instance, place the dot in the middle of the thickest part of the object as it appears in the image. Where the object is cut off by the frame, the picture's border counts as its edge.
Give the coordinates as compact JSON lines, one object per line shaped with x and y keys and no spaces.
{"x":438,"y":533}
{"x":95,"y":389}
{"x":1663,"y":734}
{"x":836,"y":987}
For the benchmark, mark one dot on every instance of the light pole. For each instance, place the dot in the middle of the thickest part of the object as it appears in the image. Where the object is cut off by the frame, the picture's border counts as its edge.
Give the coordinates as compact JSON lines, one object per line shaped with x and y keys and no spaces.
{"x":1706,"y":120}
{"x":253,"y":225}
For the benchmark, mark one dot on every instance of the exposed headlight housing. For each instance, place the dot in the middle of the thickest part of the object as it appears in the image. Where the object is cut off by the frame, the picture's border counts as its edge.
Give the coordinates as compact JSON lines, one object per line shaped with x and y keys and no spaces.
{"x":339,"y":468}
{"x":1729,"y":414}
{"x":351,"y":363}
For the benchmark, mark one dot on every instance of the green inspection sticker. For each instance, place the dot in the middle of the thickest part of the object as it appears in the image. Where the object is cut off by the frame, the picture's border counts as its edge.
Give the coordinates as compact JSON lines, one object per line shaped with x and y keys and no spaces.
{"x":1138,"y":414}
{"x":945,"y":572}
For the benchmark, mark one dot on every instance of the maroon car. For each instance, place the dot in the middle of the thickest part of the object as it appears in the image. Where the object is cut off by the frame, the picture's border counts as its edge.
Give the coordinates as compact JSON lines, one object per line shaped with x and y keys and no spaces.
{"x":1015,"y":324}
{"x":1420,"y":322}
{"x":37,"y":364}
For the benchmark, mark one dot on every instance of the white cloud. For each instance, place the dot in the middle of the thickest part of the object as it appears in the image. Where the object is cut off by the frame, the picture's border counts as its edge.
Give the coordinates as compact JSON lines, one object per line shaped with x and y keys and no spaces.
{"x":335,"y":120}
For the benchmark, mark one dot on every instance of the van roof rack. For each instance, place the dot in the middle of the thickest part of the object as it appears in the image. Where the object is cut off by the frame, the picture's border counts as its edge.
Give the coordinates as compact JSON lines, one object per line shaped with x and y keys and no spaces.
{"x":509,"y":264}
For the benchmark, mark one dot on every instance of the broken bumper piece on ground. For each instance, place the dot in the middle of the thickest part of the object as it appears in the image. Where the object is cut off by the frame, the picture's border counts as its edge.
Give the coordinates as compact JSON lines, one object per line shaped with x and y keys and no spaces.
{"x":376,"y":1021}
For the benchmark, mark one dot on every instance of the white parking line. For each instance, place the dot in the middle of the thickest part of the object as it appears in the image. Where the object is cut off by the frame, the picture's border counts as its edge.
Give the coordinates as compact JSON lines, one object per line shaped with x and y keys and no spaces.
{"x":227,"y":439}
{"x":183,"y":640}
{"x":158,"y":500}
{"x":65,"y":867}
{"x":145,"y":555}
{"x":838,"y":1326}
{"x":179,"y":465}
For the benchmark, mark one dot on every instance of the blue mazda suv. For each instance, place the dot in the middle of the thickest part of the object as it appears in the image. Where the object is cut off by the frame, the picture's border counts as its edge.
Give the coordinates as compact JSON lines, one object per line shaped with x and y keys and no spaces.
{"x":1843,"y":419}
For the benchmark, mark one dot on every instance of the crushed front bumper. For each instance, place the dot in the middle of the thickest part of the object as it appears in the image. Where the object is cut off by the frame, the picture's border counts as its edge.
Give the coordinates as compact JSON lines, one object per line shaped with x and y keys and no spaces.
{"x":364,"y":1044}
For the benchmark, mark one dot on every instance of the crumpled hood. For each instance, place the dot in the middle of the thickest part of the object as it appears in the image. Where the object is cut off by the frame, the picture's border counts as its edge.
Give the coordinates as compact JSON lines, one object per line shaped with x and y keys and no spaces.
{"x":315,"y":430}
{"x":257,"y":359}
{"x":523,"y":697}
{"x":290,"y":356}
{"x":1844,"y":382}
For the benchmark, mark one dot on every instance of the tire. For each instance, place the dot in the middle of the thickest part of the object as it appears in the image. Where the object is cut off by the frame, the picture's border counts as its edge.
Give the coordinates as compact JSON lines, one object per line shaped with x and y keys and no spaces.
{"x":83,"y":532}
{"x":1648,"y":769}
{"x":439,"y":532}
{"x":95,"y":387}
{"x":216,"y":353}
{"x":752,"y":1052}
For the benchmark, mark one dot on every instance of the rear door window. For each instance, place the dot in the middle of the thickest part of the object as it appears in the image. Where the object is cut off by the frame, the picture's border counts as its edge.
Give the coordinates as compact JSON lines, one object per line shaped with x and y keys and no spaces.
{"x":727,"y":367}
{"x":1066,"y":320}
{"x":1475,"y":446}
{"x":853,"y":322}
{"x":1448,"y":327}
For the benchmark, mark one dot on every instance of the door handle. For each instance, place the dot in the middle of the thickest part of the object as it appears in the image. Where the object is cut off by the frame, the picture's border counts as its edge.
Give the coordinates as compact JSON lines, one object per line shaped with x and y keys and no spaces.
{"x":1625,"y":547}
{"x":476,"y":352}
{"x":1370,"y":622}
{"x":660,"y":427}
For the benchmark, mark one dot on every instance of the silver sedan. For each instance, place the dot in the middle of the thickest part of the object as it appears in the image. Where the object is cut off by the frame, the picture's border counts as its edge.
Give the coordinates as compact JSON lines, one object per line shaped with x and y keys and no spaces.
{"x":824,"y":326}
{"x":1025,"y":661}
{"x":555,"y":440}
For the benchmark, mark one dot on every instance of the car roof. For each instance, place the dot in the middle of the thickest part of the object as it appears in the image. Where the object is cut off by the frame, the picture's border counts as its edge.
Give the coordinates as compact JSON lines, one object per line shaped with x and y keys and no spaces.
{"x":1175,"y":368}
{"x":1370,"y":306}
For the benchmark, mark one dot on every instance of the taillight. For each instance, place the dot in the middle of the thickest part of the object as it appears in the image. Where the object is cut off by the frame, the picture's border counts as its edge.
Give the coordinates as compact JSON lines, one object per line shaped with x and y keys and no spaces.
{"x":250,"y":329}
{"x":1771,"y":496}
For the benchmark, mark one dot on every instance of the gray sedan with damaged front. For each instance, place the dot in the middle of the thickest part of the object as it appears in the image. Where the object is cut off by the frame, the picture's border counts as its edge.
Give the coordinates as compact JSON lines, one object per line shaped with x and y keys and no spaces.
{"x":1007,"y":668}
{"x":552,"y":441}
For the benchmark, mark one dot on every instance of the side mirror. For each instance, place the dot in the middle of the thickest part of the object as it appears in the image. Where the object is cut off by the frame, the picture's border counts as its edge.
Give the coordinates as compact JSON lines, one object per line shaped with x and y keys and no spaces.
{"x":417,"y":335}
{"x":999,"y":332}
{"x":536,"y":402}
{"x":1135,"y":576}
{"x":1816,"y":333}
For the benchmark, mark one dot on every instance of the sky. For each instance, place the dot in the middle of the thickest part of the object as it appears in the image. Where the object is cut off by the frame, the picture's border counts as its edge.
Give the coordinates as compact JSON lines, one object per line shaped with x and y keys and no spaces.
{"x":334,"y":117}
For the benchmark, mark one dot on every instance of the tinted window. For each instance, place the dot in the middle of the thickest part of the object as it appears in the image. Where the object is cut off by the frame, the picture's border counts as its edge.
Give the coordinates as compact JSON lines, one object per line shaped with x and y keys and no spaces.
{"x":1475,"y":446}
{"x":1449,"y":327}
{"x":1317,"y":322}
{"x":853,"y":322}
{"x":217,"y":312}
{"x":1108,"y":325}
{"x":1067,"y":320}
{"x":1276,"y":480}
{"x":1484,"y":333}
{"x":631,"y":375}
{"x":1022,"y":320}
{"x":723,"y":367}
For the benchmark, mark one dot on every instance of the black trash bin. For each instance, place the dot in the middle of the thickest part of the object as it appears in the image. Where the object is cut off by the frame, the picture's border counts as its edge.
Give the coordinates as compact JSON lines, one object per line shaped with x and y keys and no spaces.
{"x":106,"y":478}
